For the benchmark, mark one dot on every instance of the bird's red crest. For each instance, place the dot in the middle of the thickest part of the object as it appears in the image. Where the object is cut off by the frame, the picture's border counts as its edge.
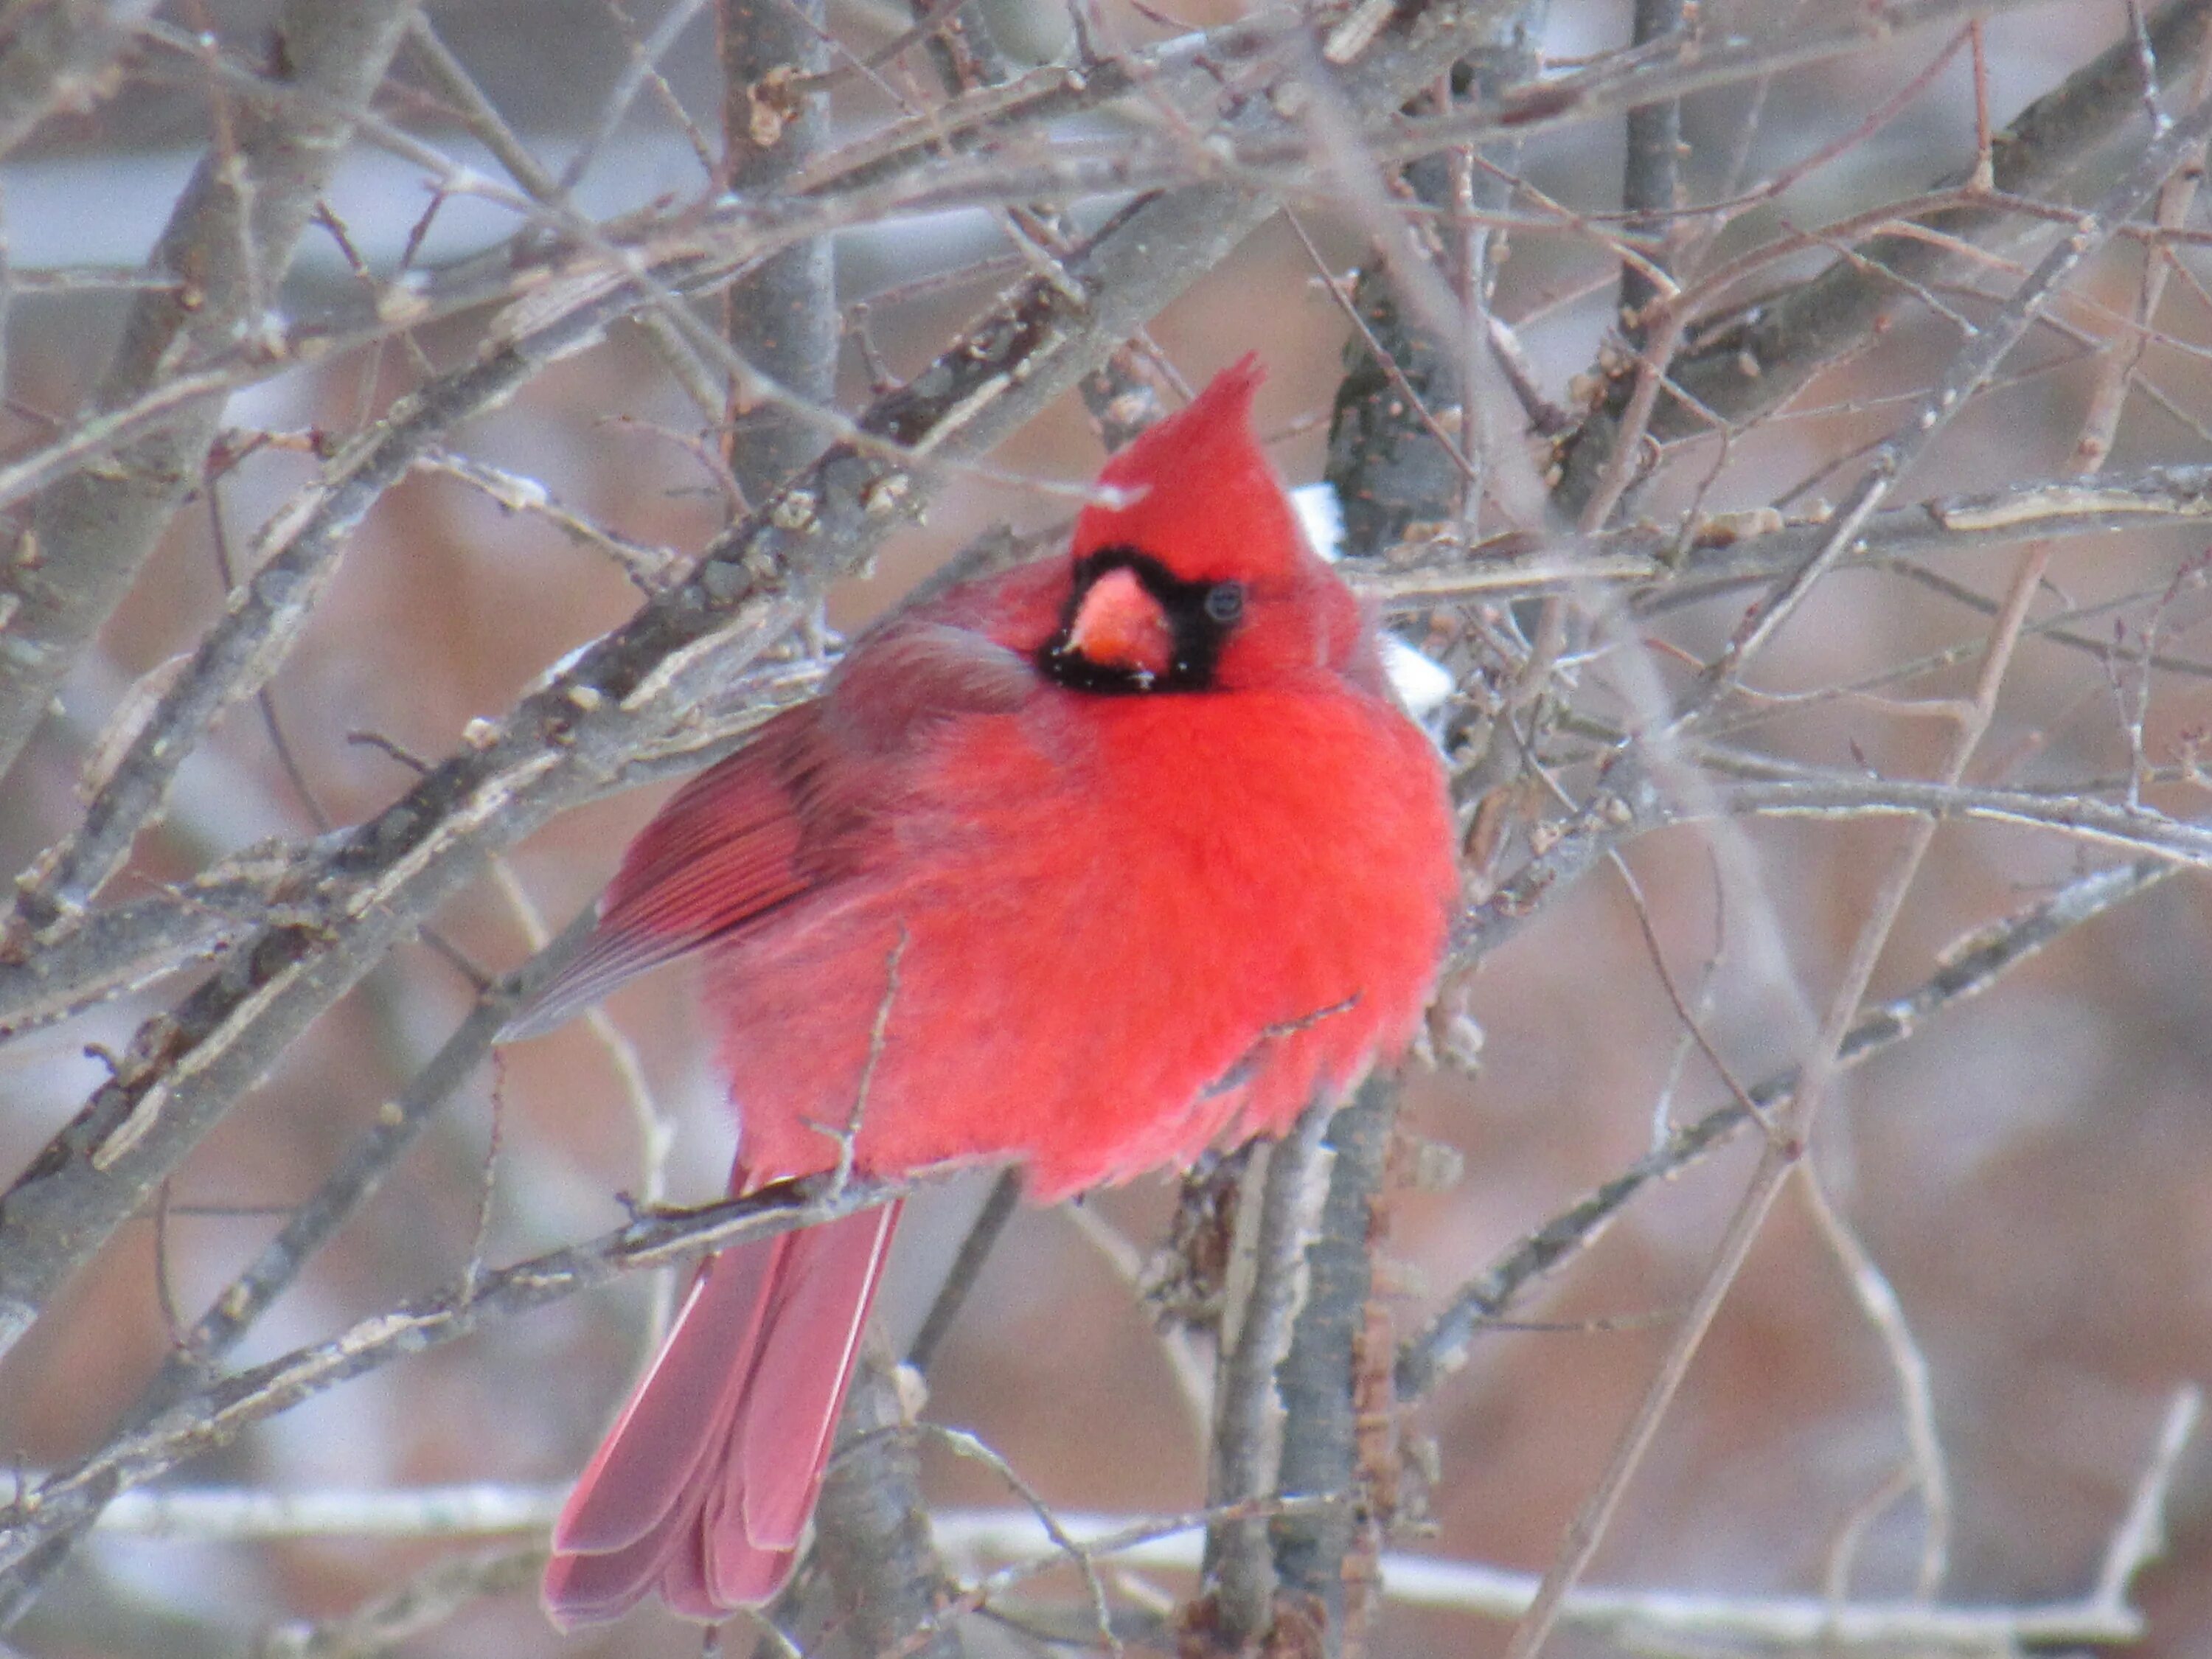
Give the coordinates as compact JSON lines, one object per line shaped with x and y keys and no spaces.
{"x":1197,"y":494}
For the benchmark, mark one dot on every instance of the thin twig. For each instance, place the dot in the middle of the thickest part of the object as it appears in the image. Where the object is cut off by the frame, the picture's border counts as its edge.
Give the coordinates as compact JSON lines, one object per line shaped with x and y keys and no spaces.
{"x":1993,"y":952}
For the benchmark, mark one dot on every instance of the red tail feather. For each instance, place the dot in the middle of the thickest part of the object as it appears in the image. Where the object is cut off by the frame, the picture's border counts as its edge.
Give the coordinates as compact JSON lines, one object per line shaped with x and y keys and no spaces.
{"x":704,"y":1485}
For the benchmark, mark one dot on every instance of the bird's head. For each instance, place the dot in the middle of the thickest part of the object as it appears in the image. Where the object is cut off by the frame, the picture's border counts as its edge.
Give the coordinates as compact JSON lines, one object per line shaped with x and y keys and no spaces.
{"x":1190,"y":572}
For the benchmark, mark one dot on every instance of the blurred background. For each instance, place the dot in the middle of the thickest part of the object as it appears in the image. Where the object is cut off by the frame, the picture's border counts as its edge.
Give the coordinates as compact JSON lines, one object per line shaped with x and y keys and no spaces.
{"x":2029,"y":1173}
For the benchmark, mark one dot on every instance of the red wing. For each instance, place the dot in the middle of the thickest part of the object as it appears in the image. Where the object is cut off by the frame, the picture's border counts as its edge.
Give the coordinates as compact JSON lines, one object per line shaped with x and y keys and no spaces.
{"x":791,"y":811}
{"x":731,"y":846}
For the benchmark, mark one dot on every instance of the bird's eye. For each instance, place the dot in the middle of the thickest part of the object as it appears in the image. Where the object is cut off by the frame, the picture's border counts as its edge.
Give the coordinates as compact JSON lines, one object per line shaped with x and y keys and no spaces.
{"x":1225,"y":602}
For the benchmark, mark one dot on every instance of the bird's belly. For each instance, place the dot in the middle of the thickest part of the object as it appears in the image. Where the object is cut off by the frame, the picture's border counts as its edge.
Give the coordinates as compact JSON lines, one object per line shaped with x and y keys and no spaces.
{"x":1095,"y":993}
{"x":942,"y":1027}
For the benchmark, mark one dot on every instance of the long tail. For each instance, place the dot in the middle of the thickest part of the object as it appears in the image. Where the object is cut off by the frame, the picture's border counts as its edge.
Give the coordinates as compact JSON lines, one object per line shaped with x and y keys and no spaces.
{"x":702,"y":1488}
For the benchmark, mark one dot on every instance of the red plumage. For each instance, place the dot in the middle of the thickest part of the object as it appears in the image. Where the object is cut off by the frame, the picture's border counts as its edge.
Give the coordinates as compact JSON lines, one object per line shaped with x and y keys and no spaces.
{"x":1128,"y":854}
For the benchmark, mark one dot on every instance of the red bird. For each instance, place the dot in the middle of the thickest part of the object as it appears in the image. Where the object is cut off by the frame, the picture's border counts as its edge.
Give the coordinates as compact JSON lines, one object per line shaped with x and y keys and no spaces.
{"x":1106,"y":860}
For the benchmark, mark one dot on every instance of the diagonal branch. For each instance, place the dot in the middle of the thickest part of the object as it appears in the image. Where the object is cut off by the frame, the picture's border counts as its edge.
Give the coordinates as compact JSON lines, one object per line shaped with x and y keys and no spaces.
{"x":1440,"y":1346}
{"x":215,"y":1416}
{"x":57,"y":56}
{"x":229,"y":242}
{"x":1756,"y":363}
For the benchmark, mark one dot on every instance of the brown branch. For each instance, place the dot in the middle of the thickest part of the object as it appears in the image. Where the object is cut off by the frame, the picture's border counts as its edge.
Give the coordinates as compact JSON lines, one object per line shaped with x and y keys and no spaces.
{"x":228,"y":243}
{"x":872,"y":1535}
{"x":1969,"y":368}
{"x":1674,"y":566}
{"x":57,"y":55}
{"x":2065,"y":811}
{"x":1324,"y":1419}
{"x":781,"y":316}
{"x":1789,"y":1131}
{"x":192,"y":1363}
{"x":905,"y":173}
{"x":1651,"y":175}
{"x":1240,"y":1573}
{"x":1759,"y":360}
{"x":215,"y":1416}
{"x":1440,"y":1346}
{"x":264,"y":616}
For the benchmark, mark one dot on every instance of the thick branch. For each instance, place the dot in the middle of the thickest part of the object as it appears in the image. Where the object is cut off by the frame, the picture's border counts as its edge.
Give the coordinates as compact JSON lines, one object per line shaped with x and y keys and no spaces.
{"x":229,"y":244}
{"x":1652,"y":173}
{"x":216,"y":1415}
{"x":780,"y":317}
{"x":1247,"y":1443}
{"x":873,"y":1532}
{"x":1325,"y":1414}
{"x":1760,"y":359}
{"x":56,"y":55}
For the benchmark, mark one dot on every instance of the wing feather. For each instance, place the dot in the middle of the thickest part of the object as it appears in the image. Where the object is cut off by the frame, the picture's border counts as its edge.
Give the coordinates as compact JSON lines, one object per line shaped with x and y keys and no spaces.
{"x":793,"y":811}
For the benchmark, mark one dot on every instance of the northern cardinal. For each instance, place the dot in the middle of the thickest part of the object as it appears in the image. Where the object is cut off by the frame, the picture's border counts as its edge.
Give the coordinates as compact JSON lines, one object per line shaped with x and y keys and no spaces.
{"x":1088,"y":866}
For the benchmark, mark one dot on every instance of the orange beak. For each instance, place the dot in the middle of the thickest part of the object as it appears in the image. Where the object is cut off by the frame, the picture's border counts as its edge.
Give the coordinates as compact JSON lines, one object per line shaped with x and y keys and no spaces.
{"x":1120,"y":625}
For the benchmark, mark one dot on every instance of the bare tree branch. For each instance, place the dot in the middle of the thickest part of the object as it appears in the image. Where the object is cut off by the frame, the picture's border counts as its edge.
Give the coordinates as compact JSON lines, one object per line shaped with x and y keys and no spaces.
{"x":228,"y":243}
{"x":213,"y":1417}
{"x":1757,"y":361}
{"x":1328,"y":1418}
{"x":57,"y":55}
{"x":872,"y":1530}
{"x":782,"y":317}
{"x":1247,"y":1446}
{"x":1440,"y":1346}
